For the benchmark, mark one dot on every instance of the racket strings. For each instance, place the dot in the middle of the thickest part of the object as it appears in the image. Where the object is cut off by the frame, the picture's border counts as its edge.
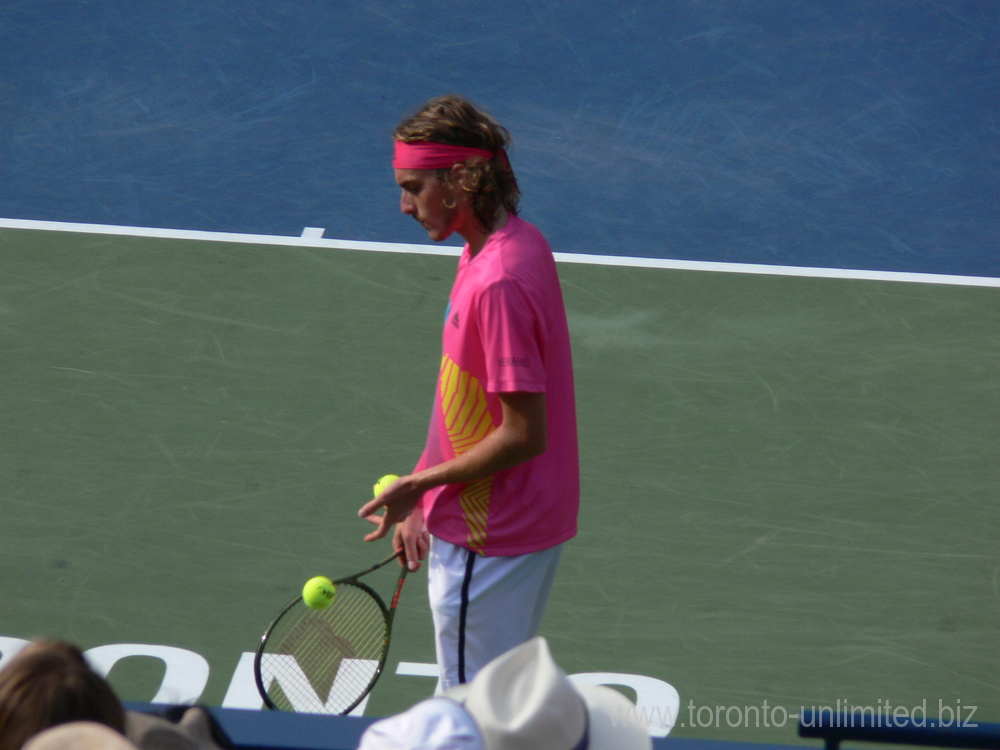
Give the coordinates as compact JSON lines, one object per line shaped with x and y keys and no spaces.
{"x":323,"y":661}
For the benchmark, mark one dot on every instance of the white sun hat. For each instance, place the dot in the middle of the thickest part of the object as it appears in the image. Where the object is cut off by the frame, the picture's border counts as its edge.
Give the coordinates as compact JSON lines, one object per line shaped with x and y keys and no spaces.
{"x":519,"y":701}
{"x":433,"y":724}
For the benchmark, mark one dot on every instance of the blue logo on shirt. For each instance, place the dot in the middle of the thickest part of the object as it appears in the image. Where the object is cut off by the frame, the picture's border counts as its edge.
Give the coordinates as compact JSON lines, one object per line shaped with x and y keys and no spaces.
{"x":447,"y":314}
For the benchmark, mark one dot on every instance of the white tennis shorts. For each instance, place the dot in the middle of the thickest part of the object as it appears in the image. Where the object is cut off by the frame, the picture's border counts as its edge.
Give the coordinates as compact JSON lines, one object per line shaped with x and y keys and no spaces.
{"x":484,"y":606}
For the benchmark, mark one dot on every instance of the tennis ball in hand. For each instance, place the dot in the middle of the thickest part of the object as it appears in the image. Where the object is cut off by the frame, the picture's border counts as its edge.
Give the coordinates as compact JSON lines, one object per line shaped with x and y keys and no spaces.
{"x":319,"y":592}
{"x":384,"y":482}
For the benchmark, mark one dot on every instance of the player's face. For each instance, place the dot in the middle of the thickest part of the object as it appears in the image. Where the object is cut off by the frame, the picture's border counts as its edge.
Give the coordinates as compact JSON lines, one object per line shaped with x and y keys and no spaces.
{"x":439,"y":208}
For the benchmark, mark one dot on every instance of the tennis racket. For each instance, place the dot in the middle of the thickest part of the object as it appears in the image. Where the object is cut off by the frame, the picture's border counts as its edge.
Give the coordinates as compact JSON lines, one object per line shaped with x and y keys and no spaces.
{"x":326,"y":661}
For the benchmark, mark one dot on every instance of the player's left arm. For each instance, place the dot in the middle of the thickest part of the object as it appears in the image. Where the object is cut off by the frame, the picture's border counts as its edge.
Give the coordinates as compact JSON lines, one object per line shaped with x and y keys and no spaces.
{"x":521,"y":436}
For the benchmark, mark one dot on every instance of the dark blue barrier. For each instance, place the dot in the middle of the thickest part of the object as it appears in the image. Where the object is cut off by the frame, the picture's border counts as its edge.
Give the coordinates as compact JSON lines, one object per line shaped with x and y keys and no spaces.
{"x":835,"y":728}
{"x":277,"y":730}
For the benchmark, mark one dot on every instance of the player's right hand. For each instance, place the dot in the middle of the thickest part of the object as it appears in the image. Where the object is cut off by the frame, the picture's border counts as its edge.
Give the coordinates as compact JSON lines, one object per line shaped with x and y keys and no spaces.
{"x":411,"y":536}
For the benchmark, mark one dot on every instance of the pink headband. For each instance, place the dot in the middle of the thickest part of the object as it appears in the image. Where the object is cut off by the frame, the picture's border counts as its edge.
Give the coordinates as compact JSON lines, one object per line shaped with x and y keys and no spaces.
{"x":425,"y":155}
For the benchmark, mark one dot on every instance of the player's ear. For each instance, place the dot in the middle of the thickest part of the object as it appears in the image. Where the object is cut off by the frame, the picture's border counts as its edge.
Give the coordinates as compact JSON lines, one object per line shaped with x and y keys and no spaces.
{"x":458,"y":176}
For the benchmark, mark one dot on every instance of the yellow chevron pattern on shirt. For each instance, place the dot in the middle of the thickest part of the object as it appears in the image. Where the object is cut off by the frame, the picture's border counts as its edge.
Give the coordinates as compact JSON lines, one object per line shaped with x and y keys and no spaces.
{"x":463,"y":404}
{"x":475,"y":501}
{"x":467,"y":420}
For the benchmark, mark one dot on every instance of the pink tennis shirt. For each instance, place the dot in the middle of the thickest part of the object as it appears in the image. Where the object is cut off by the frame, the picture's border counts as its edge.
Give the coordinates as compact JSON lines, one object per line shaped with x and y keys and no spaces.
{"x":505,"y":330}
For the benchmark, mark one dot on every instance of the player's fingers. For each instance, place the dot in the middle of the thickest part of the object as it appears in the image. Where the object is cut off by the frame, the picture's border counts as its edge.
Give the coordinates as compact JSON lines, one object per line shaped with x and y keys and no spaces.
{"x":413,"y":556}
{"x":398,"y":545}
{"x":423,"y":545}
{"x":380,"y":532}
{"x":370,"y":507}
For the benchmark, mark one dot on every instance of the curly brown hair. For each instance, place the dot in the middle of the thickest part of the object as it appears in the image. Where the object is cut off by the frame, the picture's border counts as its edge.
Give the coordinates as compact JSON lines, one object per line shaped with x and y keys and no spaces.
{"x":50,"y":683}
{"x":458,"y":122}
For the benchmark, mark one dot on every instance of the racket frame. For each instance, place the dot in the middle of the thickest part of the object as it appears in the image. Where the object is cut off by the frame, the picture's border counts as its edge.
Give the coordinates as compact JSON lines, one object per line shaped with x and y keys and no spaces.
{"x":387,"y":612}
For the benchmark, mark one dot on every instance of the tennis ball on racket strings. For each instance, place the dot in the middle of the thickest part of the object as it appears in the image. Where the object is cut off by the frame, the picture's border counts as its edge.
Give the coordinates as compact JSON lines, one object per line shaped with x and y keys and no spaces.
{"x":319,"y":592}
{"x":384,"y":482}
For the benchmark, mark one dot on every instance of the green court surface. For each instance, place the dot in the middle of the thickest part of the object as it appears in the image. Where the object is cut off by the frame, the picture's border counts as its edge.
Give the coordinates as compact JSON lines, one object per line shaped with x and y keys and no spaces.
{"x":789,"y":483}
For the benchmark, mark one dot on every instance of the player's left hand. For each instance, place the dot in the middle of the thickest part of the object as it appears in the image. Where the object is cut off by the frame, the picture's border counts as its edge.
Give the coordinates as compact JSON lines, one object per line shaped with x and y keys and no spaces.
{"x":398,"y":499}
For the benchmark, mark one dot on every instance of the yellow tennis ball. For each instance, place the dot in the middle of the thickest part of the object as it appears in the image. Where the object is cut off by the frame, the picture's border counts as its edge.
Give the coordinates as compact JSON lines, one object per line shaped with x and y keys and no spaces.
{"x":319,"y":592}
{"x":384,"y":482}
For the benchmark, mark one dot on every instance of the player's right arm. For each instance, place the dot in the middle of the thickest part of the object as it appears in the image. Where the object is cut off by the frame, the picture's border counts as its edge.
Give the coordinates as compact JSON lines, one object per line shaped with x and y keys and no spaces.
{"x":519,"y":437}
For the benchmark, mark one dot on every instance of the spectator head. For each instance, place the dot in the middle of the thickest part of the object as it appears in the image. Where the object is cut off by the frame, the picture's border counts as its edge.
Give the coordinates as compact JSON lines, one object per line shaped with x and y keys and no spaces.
{"x":79,"y":735}
{"x":50,"y":683}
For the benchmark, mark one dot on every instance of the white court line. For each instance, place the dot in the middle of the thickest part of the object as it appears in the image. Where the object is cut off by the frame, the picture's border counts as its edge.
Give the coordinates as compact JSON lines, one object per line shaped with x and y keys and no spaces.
{"x":311,"y":238}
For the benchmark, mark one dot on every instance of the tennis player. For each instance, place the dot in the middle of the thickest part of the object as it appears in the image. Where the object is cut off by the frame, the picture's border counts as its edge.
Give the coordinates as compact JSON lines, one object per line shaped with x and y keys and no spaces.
{"x":496,"y":491}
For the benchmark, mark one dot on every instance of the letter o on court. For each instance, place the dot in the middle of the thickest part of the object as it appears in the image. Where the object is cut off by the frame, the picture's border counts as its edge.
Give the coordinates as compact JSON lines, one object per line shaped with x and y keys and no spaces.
{"x":184,"y":677}
{"x":657,"y":703}
{"x":9,"y":648}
